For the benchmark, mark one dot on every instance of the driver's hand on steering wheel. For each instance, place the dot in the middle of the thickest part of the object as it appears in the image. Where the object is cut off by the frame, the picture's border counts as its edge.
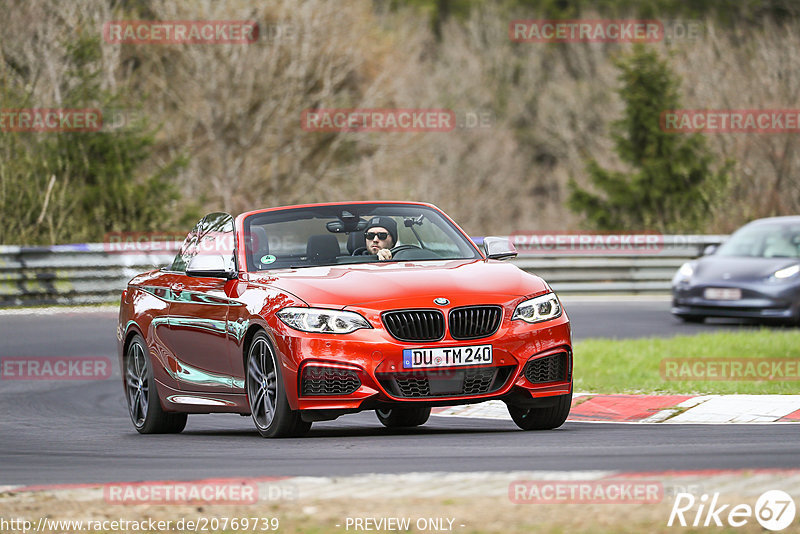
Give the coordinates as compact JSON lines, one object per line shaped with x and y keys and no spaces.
{"x":384,"y":254}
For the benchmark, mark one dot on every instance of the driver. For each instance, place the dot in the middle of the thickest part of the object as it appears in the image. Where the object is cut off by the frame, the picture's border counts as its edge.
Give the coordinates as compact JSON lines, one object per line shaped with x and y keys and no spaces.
{"x":381,"y":235}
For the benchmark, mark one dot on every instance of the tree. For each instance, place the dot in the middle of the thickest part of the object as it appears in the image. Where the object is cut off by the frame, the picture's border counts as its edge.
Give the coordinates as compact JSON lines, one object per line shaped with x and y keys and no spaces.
{"x":75,"y":185}
{"x":672,"y":184}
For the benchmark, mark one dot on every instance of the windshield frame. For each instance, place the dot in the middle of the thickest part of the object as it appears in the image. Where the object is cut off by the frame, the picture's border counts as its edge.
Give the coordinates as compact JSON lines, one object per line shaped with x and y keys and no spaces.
{"x":245,"y":221}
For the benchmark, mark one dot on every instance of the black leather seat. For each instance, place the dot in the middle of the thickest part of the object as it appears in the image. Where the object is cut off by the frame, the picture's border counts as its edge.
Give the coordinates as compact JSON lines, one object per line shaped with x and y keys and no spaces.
{"x":355,"y":241}
{"x":322,"y":248}
{"x":257,"y":245}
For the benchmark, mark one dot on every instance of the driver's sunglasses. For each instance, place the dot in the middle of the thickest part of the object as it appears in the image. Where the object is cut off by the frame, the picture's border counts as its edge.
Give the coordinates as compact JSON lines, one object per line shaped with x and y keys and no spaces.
{"x":371,"y":235}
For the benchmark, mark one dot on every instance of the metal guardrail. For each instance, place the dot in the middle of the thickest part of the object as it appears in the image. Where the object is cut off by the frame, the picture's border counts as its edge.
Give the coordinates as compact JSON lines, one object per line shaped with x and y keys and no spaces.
{"x":68,"y":274}
{"x":89,"y":274}
{"x":608,"y":271}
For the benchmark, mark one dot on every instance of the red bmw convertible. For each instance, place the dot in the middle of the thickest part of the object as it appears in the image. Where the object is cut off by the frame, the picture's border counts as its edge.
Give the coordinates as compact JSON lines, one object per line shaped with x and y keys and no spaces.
{"x":289,"y":315}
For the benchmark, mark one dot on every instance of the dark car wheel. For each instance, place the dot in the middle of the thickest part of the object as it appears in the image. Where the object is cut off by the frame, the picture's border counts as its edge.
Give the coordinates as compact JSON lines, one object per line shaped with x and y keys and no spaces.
{"x":141,"y":392}
{"x":404,"y":416}
{"x":542,"y":418}
{"x":266,"y":393}
{"x":692,"y":318}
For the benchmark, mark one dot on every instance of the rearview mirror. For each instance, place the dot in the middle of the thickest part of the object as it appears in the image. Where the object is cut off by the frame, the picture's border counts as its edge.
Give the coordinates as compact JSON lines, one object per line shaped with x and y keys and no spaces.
{"x":499,"y":248}
{"x":211,"y":266}
{"x":709,"y":250}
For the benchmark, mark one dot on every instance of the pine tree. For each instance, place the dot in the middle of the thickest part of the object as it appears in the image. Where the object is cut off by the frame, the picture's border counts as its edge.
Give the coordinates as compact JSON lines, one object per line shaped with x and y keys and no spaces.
{"x":672,"y":183}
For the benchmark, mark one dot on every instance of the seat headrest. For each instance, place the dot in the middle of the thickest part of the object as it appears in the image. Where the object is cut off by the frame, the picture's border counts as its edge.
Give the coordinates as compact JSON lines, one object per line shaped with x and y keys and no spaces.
{"x":355,"y":241}
{"x":322,"y":248}
{"x":259,"y":241}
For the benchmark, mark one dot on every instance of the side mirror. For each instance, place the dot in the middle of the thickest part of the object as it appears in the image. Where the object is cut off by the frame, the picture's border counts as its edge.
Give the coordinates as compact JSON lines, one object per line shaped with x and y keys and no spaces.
{"x":499,"y":248}
{"x":710,"y":249}
{"x":210,"y":266}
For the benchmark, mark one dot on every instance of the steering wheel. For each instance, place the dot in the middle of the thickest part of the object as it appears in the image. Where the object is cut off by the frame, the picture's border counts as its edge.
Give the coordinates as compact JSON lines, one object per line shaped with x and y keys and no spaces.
{"x":394,"y":250}
{"x":401,"y":248}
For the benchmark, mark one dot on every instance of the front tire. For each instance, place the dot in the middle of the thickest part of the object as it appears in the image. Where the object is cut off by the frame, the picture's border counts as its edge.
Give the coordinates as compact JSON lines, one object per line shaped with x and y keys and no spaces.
{"x":266,"y":393}
{"x":542,"y":418}
{"x":405,"y":416}
{"x":694,"y":319}
{"x":141,"y":392}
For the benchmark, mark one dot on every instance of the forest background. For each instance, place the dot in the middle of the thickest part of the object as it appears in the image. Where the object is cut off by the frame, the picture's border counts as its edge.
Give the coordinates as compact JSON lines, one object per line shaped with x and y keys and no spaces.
{"x":551,"y":136}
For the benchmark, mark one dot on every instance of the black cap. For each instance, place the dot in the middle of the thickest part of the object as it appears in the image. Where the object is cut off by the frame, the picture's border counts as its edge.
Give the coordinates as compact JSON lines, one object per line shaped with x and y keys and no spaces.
{"x":386,"y":222}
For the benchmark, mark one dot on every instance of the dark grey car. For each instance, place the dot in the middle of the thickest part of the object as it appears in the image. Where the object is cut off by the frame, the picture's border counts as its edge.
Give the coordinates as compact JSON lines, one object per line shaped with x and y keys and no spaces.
{"x":754,"y":274}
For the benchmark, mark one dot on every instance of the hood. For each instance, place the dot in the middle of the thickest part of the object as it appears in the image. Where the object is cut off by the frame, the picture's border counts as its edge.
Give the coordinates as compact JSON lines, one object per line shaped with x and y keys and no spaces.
{"x":462,"y":282}
{"x":733,"y":268}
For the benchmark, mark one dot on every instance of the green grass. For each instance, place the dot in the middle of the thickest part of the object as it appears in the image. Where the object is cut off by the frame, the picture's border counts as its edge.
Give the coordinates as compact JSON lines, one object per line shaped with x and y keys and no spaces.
{"x":633,"y":365}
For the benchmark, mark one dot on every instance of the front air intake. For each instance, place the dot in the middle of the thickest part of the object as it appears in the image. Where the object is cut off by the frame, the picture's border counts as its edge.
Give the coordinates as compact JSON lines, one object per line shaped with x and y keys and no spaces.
{"x":460,"y":382}
{"x":320,"y":380}
{"x":551,"y":368}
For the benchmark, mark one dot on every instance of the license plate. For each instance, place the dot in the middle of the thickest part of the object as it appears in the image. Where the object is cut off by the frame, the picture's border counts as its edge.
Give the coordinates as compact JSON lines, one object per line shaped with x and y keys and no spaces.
{"x":447,"y":356}
{"x":722,"y":293}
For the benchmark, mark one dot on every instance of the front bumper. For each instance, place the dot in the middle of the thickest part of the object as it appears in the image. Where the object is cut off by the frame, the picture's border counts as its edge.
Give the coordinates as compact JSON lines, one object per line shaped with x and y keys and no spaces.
{"x":367,"y":366}
{"x":759,"y":301}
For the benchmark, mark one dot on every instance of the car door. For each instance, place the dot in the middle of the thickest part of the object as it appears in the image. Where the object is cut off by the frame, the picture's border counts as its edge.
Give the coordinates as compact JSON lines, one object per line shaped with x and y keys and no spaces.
{"x":151,"y":302}
{"x":198,"y":315}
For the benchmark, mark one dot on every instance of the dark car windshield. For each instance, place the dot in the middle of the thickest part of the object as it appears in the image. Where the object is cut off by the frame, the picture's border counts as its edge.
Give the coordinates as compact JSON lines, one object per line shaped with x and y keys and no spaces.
{"x":334,"y":235}
{"x":765,"y":240}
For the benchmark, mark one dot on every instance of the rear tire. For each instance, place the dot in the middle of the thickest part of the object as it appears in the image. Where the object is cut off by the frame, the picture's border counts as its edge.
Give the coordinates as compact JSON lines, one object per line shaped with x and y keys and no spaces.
{"x":542,"y":418}
{"x":141,"y":392}
{"x":266,"y":393}
{"x":694,"y":319}
{"x":405,"y":416}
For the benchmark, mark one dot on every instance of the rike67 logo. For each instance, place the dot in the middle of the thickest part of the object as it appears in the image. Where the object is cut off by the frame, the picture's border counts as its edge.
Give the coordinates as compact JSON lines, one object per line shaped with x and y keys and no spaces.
{"x":774,"y":510}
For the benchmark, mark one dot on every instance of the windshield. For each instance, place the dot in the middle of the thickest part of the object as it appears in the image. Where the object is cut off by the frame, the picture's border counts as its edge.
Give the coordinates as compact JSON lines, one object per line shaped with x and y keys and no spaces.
{"x":334,"y":235}
{"x":772,"y":240}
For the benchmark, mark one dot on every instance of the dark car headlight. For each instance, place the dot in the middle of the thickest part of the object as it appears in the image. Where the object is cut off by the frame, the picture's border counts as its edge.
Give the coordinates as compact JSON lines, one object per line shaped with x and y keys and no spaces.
{"x":322,"y":321}
{"x":541,"y":308}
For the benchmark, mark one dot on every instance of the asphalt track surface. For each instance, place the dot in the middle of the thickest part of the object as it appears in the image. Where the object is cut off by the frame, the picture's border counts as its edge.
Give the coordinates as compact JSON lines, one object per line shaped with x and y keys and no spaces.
{"x":61,"y":432}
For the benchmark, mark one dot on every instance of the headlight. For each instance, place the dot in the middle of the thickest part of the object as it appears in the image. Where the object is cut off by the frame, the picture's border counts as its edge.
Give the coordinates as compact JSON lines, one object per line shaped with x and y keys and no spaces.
{"x":787,"y":272}
{"x":322,"y":321}
{"x":684,"y":274}
{"x":537,"y":309}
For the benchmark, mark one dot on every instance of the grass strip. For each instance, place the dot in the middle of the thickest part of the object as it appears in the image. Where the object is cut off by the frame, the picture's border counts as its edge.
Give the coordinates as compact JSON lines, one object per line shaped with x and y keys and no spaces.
{"x":685,"y":364}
